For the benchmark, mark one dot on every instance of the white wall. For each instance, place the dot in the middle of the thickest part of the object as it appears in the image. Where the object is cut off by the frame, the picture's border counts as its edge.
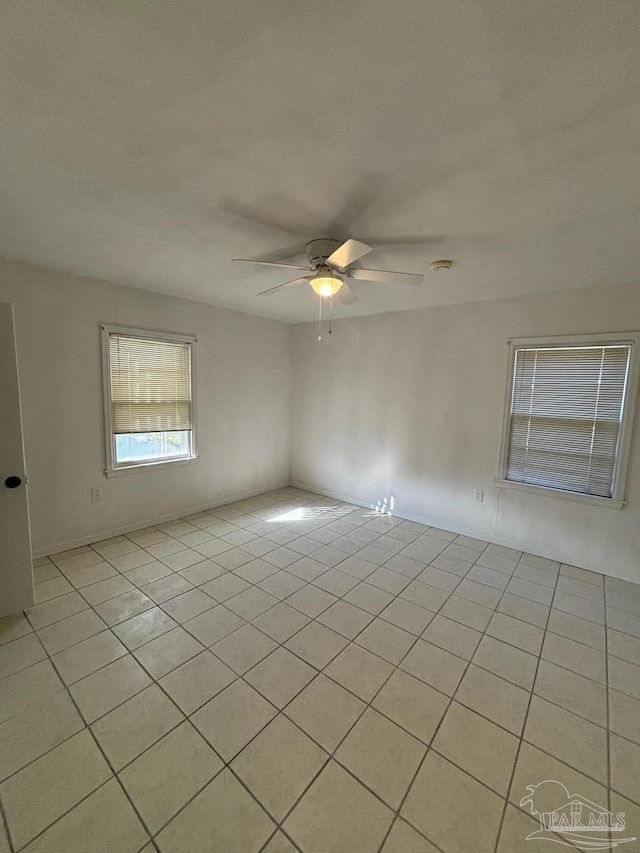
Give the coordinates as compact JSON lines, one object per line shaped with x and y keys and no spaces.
{"x":409,"y":407}
{"x":243,"y":388}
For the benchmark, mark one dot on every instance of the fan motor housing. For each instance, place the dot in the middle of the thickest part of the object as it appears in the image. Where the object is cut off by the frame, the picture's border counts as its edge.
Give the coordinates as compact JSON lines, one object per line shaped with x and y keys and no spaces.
{"x":319,"y":250}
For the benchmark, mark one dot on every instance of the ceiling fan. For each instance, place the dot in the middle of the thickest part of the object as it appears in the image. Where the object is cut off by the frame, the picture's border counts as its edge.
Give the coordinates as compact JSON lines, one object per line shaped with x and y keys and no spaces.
{"x":331,"y":269}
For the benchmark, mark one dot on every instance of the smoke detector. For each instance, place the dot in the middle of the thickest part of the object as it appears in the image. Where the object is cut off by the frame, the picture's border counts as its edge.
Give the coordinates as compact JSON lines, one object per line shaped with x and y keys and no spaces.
{"x":438,"y":266}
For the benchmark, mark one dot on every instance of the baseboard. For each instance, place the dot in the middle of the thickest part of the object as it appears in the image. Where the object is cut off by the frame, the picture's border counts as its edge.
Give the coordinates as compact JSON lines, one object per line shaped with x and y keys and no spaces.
{"x":526,"y":547}
{"x":99,"y":535}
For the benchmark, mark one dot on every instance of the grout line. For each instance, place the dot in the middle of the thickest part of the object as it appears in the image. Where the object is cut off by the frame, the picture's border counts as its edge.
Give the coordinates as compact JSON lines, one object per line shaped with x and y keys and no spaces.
{"x":522,"y":732}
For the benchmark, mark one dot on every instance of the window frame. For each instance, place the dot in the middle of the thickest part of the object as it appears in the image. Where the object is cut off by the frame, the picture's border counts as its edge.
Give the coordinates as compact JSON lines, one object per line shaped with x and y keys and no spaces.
{"x":630,"y":401}
{"x":112,"y":467}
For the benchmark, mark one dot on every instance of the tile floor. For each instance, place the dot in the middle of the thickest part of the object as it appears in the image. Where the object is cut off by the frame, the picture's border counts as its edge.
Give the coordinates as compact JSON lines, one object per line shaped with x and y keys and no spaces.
{"x":293,"y":673}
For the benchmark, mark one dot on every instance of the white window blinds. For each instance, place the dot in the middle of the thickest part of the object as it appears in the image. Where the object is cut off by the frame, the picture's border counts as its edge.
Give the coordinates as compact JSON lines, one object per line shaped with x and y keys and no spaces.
{"x":566,"y":413}
{"x":150,"y":382}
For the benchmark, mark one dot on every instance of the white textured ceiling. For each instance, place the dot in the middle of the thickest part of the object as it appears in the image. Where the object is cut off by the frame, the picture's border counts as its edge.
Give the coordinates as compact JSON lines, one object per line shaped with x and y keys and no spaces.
{"x":135,"y":132}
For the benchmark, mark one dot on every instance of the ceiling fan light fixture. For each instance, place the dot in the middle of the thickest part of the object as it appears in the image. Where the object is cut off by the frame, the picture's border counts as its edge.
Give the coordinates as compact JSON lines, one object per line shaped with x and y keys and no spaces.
{"x":326,"y":284}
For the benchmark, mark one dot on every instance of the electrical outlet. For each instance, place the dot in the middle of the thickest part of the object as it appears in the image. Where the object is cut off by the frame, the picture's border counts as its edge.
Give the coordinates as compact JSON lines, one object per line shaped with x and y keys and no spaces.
{"x":96,"y":495}
{"x":478,"y":495}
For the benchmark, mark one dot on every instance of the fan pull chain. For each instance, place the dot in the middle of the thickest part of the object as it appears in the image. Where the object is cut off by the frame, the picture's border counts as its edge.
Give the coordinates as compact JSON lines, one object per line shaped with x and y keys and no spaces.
{"x":320,"y":319}
{"x":330,"y":312}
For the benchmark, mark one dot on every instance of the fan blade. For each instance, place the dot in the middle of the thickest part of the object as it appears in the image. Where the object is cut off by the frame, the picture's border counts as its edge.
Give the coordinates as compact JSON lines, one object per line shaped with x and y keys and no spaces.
{"x":273,"y":264}
{"x":387,"y":276}
{"x":348,"y":254}
{"x":347,"y":295}
{"x":286,"y":284}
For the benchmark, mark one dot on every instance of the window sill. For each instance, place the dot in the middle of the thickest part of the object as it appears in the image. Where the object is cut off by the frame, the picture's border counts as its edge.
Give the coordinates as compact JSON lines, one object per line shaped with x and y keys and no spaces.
{"x":574,"y":497}
{"x":148,"y":466}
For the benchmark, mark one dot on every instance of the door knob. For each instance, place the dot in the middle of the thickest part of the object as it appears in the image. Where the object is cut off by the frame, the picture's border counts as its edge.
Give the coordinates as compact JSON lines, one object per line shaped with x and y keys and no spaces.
{"x":12,"y":482}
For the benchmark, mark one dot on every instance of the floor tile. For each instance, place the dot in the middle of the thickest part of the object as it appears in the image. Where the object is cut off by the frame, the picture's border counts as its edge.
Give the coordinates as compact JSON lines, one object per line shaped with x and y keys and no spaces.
{"x":478,"y":592}
{"x":20,"y":654}
{"x":223,"y":811}
{"x":625,"y":760}
{"x":345,"y":619}
{"x":478,"y":746}
{"x":213,"y":625}
{"x":48,"y":590}
{"x":148,"y":573}
{"x":389,"y":581}
{"x":281,"y":585}
{"x":196,"y":681}
{"x":27,"y":687}
{"x":524,"y":609}
{"x":443,"y":580}
{"x":251,"y":603}
{"x":325,"y":711}
{"x":385,"y":640}
{"x":624,"y":677}
{"x":85,"y":657}
{"x":225,"y":586}
{"x":434,"y":666}
{"x":381,"y":755}
{"x":232,"y":718}
{"x":278,"y":765}
{"x":453,"y":565}
{"x":307,"y":569}
{"x":575,"y":628}
{"x":404,"y":566}
{"x":166,"y":588}
{"x":280,"y":676}
{"x":336,"y":582}
{"x":357,"y":567}
{"x":92,"y":575}
{"x":59,"y":608}
{"x":243,"y":648}
{"x":359,"y":671}
{"x":467,"y":613}
{"x":405,"y":614}
{"x":500,"y":701}
{"x":29,"y":734}
{"x":102,"y":823}
{"x":534,"y":766}
{"x":202,"y":572}
{"x":133,"y":726}
{"x":572,"y":692}
{"x":101,"y":692}
{"x":624,"y":646}
{"x":591,"y":610}
{"x":34,"y":798}
{"x":516,"y":632}
{"x":424,"y":595}
{"x":369,"y":598}
{"x":412,"y":704}
{"x":279,"y":844}
{"x":141,"y":629}
{"x":127,"y":562}
{"x":13,"y":627}
{"x":165,"y":777}
{"x":452,"y":636}
{"x":255,"y":571}
{"x":572,"y":739}
{"x":575,"y":656}
{"x":317,"y":644}
{"x":404,"y":839}
{"x":624,"y":715}
{"x":71,"y":630}
{"x":188,"y":605}
{"x":471,"y":827}
{"x":167,"y":652}
{"x":283,"y":557}
{"x":281,"y":622}
{"x":123,"y":607}
{"x":338,"y":814}
{"x":516,"y":828}
{"x":507,"y":661}
{"x":311,"y":600}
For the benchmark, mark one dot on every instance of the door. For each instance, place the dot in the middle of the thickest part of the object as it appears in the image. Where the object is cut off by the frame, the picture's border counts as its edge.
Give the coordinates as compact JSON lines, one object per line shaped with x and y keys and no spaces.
{"x":16,"y":574}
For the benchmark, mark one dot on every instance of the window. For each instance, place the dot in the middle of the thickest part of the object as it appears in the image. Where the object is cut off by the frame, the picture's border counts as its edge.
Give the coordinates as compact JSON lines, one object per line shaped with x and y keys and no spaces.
{"x":148,"y":391}
{"x":569,"y":415}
